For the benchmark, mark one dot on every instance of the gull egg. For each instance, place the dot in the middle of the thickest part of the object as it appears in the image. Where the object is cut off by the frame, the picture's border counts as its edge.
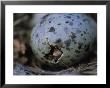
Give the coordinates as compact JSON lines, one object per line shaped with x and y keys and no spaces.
{"x":63,"y":38}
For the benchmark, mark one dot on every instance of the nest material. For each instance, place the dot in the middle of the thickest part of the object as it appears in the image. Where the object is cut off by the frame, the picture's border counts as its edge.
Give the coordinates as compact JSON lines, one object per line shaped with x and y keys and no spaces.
{"x":81,"y":69}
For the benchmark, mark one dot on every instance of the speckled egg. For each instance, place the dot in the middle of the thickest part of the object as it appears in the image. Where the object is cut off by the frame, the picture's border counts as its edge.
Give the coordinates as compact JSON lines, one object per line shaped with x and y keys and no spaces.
{"x":63,"y":39}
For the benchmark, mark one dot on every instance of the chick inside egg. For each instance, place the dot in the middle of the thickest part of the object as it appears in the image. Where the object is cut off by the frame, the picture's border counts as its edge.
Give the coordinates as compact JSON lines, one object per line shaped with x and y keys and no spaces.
{"x":63,"y":38}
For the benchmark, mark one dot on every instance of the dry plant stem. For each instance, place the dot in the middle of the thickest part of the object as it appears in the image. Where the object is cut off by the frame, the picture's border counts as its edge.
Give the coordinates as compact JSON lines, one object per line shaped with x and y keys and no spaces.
{"x":20,"y":20}
{"x":39,"y":71}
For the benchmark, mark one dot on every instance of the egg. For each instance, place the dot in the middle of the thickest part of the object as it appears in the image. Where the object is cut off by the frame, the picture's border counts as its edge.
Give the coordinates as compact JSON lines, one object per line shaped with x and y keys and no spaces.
{"x":63,"y":39}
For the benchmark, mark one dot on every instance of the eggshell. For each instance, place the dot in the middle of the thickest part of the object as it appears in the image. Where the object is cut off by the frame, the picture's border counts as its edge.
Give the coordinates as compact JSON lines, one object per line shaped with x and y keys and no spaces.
{"x":75,"y":34}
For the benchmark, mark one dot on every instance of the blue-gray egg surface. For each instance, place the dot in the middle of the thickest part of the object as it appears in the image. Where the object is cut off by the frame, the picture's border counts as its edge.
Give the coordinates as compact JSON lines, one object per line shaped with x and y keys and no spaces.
{"x":64,"y":38}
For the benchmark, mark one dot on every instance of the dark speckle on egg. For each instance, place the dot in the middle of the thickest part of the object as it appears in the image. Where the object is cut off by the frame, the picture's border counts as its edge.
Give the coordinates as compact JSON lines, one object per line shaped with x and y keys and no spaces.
{"x":78,"y":31}
{"x":84,"y":32}
{"x":78,"y":17}
{"x":67,"y":43}
{"x":81,"y":34}
{"x":52,"y":29}
{"x":80,"y":45}
{"x":85,"y":20}
{"x":33,"y":34}
{"x":75,"y":42}
{"x":80,"y":23}
{"x":73,"y":36}
{"x":87,"y":47}
{"x":71,"y":23}
{"x":44,"y":17}
{"x":77,"y":51}
{"x":68,"y":48}
{"x":69,"y":17}
{"x":58,"y":40}
{"x":44,"y":43}
{"x":84,"y":38}
{"x":70,"y":14}
{"x":67,"y":22}
{"x":36,"y":35}
{"x":43,"y":52}
{"x":59,"y":24}
{"x":72,"y":19}
{"x":49,"y":21}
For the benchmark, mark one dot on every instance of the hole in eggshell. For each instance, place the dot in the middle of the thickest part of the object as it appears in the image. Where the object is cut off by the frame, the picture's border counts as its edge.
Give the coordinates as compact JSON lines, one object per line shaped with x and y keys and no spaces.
{"x":54,"y":55}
